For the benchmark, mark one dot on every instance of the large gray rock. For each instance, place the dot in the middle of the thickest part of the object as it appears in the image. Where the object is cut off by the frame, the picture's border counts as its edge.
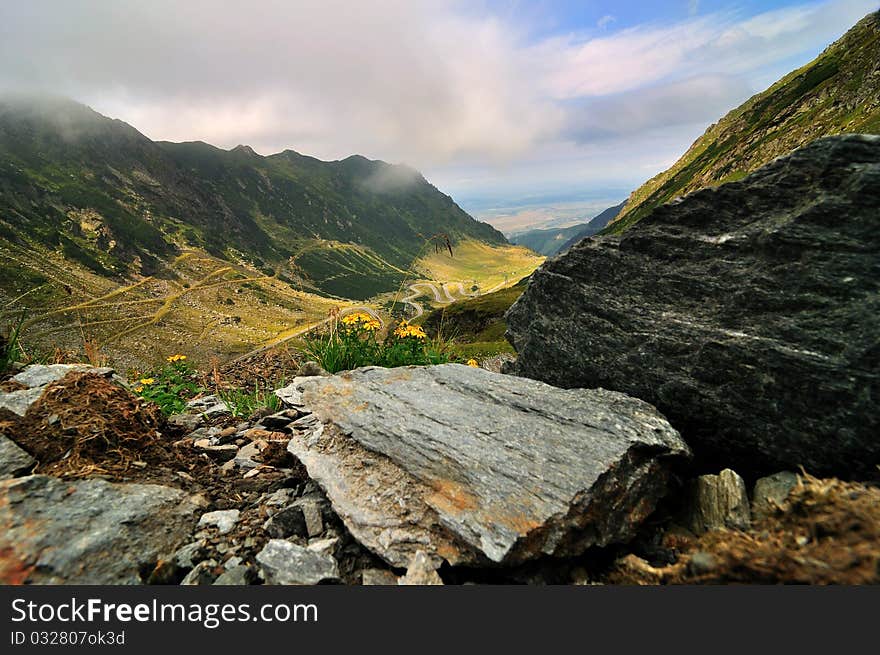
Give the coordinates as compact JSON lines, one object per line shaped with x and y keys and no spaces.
{"x":476,"y":467}
{"x":54,"y":531}
{"x":748,"y":314}
{"x":13,"y":460}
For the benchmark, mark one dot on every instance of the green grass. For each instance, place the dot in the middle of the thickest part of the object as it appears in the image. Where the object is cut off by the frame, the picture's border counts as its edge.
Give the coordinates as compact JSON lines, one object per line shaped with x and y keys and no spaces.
{"x":10,"y":347}
{"x":244,"y":403}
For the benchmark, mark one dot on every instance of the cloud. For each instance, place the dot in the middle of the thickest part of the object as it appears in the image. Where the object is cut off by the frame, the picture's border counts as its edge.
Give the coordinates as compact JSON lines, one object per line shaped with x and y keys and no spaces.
{"x":605,"y":21}
{"x":439,"y":84}
{"x":699,"y":99}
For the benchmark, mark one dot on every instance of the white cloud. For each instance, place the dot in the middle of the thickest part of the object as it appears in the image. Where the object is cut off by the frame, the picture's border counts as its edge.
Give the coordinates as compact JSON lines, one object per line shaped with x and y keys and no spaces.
{"x":605,"y":21}
{"x":434,"y":83}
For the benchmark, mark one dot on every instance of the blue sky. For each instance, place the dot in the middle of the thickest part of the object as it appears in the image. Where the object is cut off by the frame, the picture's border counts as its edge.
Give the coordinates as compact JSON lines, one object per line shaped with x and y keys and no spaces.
{"x":503,"y":104}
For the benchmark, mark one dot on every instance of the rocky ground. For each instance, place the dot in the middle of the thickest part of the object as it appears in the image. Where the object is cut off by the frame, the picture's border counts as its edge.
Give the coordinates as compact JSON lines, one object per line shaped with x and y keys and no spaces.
{"x":406,"y":476}
{"x":733,"y":333}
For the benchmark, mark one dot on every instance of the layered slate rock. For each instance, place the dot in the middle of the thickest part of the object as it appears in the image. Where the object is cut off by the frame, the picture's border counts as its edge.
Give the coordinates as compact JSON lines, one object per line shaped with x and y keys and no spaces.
{"x":54,"y":531}
{"x":474,"y":467}
{"x":748,"y":314}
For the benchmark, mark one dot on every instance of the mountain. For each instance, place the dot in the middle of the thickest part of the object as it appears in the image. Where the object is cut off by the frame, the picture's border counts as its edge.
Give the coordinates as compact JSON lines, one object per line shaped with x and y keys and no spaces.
{"x":838,"y":92}
{"x":546,"y":241}
{"x":594,"y":226}
{"x":551,"y":241}
{"x":113,"y":200}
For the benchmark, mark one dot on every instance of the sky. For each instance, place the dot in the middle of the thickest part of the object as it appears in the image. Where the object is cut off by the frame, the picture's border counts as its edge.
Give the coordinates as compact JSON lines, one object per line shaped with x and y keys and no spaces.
{"x":500,"y":103}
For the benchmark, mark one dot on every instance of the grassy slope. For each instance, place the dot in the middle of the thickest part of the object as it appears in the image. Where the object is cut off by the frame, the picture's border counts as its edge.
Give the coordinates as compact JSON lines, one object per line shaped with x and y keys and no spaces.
{"x":478,"y":323}
{"x":488,"y":267}
{"x":547,"y":241}
{"x":838,"y":92}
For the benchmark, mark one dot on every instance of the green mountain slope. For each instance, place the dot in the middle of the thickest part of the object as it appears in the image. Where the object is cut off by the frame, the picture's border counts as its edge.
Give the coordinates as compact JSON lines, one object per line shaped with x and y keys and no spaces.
{"x":836,"y":93}
{"x":106,"y":196}
{"x":551,"y":241}
{"x":546,"y":241}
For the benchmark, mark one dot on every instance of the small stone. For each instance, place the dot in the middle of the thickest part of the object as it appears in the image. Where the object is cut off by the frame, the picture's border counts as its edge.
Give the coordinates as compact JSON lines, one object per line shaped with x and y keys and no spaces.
{"x":701,"y":563}
{"x":256,"y":434}
{"x":188,"y":422}
{"x":244,"y":458}
{"x":718,"y":501}
{"x":235,"y":576}
{"x":223,"y":520}
{"x":13,"y":460}
{"x":280,"y":420}
{"x":771,"y":492}
{"x":312,"y":513}
{"x":326,"y":546}
{"x":422,"y":570}
{"x":311,"y":369}
{"x":288,"y":522}
{"x":202,"y":574}
{"x":186,"y":557}
{"x":378,"y":577}
{"x":285,"y":563}
{"x":220,"y":453}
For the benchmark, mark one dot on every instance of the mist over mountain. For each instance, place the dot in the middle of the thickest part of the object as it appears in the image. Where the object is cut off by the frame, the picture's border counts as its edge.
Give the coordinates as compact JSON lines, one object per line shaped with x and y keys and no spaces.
{"x":114,"y":200}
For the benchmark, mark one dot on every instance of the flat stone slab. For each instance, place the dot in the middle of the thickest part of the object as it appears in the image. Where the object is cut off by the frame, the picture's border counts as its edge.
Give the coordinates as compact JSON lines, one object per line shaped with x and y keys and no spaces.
{"x":54,"y":531}
{"x":475,"y":467}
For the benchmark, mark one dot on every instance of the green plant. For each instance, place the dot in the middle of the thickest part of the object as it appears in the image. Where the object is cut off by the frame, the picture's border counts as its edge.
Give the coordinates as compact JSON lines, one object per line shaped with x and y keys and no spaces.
{"x":244,"y":403}
{"x":10,"y":346}
{"x":171,"y":386}
{"x":353,"y":341}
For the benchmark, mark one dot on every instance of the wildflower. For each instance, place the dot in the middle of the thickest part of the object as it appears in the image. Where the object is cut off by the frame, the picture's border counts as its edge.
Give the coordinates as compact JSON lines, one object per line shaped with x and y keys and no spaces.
{"x":176,"y":358}
{"x":146,"y":381}
{"x":138,"y":389}
{"x":473,"y":363}
{"x":362,"y":320}
{"x":406,"y":330}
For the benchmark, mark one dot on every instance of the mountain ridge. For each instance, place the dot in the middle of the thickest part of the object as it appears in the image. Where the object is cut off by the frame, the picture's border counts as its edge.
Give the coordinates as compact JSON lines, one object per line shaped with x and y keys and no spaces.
{"x":838,"y":92}
{"x":348,"y":227}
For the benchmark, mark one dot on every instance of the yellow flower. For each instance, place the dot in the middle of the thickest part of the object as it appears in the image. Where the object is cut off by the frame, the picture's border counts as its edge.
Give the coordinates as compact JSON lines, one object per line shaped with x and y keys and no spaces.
{"x":146,"y":381}
{"x":176,"y":358}
{"x":406,"y":330}
{"x":138,"y":389}
{"x":473,"y":362}
{"x":362,"y":320}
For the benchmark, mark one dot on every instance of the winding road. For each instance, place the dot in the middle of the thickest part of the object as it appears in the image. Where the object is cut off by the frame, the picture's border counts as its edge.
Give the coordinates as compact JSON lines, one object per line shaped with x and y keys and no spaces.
{"x":441,"y":294}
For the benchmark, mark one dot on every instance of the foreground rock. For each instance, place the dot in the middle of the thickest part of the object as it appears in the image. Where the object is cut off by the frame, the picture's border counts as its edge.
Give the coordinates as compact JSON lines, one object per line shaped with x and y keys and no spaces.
{"x":477,"y":467}
{"x":748,"y":314}
{"x":87,"y":532}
